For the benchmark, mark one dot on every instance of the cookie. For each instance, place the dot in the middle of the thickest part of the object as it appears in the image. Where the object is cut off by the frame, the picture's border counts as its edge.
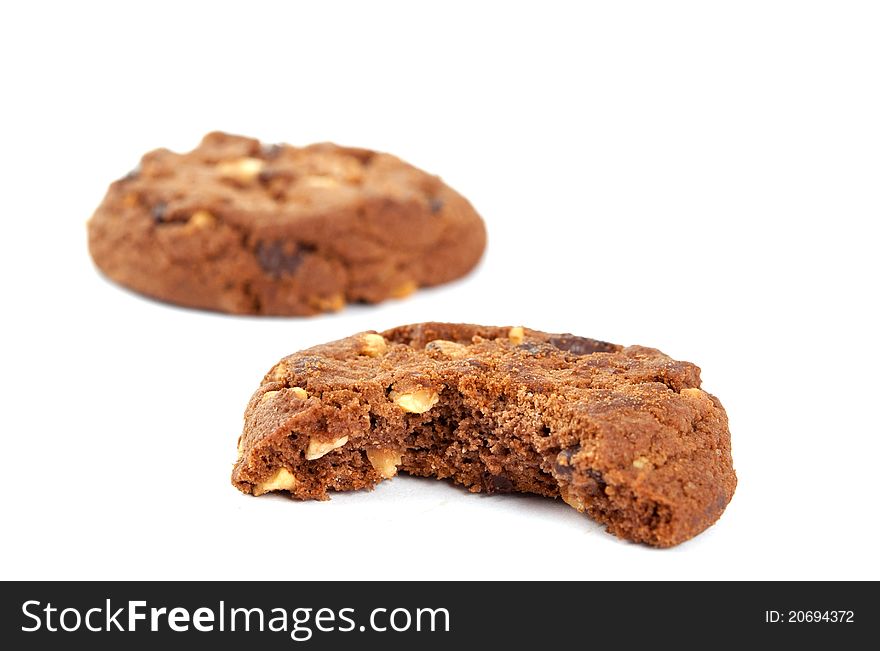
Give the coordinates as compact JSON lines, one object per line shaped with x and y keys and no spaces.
{"x":624,"y":434}
{"x":237,"y":226}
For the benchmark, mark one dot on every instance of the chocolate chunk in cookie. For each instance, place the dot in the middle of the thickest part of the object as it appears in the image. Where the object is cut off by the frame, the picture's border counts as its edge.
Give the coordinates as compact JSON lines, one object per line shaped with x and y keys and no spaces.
{"x":624,"y":434}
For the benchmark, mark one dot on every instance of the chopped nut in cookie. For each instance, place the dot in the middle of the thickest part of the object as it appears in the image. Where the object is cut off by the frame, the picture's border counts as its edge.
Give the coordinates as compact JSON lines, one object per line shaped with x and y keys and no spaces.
{"x":384,"y":461}
{"x":374,"y":345}
{"x":445,"y":348}
{"x":318,"y":449}
{"x":405,"y":289}
{"x":417,"y":402}
{"x":516,"y":335}
{"x":282,"y":480}
{"x":299,"y":392}
{"x":319,"y":181}
{"x":242,"y":170}
{"x":698,"y":396}
{"x":332,"y":303}
{"x":279,"y":372}
{"x":201,"y":219}
{"x":572,"y":499}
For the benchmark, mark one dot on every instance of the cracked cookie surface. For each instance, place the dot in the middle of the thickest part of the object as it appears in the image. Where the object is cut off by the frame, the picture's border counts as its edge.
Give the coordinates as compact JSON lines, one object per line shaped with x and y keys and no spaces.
{"x":241,"y":227}
{"x":624,"y":434}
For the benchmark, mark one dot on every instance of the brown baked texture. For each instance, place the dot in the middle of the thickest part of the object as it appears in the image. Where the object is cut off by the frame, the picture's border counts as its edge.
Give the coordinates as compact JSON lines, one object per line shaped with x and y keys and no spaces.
{"x":625,"y":434}
{"x":241,"y":227}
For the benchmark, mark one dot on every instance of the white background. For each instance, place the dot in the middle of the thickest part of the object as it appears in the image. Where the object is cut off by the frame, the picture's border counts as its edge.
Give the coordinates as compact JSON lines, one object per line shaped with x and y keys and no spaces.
{"x":699,"y":177}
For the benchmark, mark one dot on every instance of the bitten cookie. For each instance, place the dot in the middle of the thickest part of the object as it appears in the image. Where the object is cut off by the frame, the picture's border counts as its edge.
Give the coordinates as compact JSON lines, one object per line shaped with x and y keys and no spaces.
{"x":240,"y":227}
{"x":624,"y":434}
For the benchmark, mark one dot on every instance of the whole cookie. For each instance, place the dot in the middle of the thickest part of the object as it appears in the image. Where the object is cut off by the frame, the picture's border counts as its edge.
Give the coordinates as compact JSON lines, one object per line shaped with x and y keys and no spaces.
{"x":624,"y":434}
{"x":241,"y":227}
